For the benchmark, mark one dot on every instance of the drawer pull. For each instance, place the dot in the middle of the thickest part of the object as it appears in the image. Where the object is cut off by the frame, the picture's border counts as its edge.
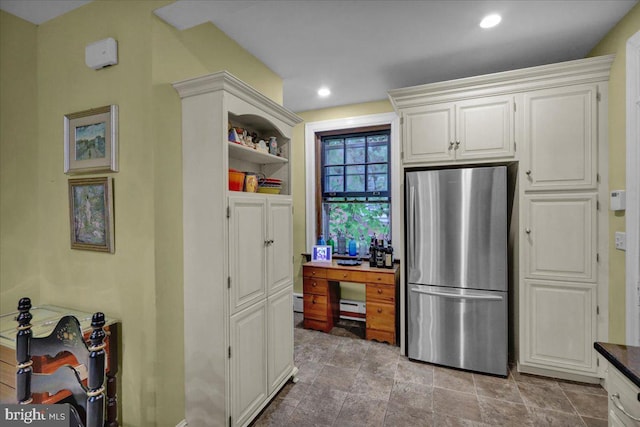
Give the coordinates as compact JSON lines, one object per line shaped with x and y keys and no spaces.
{"x":379,"y":278}
{"x":314,"y":284}
{"x":313,"y":273}
{"x":379,"y":291}
{"x":615,"y":398}
{"x":379,"y":310}
{"x":313,"y":301}
{"x":344,"y":275}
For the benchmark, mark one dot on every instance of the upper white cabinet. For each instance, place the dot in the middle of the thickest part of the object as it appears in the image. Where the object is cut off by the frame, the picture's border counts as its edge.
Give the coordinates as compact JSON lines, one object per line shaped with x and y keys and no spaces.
{"x":238,"y":260}
{"x":482,"y":128}
{"x":560,"y":131}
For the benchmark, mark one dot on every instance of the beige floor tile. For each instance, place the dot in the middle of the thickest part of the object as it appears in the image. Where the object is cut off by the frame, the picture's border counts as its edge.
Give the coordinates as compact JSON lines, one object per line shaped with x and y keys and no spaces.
{"x":453,"y":379}
{"x":456,"y":404}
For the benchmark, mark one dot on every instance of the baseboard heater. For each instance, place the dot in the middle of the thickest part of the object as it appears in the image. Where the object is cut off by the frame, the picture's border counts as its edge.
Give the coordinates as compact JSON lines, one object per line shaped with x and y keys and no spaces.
{"x":349,"y":309}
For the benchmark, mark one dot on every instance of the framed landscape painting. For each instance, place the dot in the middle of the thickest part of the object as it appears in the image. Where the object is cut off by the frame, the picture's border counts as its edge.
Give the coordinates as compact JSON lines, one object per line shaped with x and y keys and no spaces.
{"x":91,"y":140}
{"x":91,"y":214}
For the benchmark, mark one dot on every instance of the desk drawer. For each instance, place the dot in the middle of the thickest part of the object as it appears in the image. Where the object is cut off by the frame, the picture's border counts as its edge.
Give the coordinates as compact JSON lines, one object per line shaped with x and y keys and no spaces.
{"x":314,"y":272}
{"x":381,"y":316}
{"x":386,"y":278}
{"x":347,"y":275}
{"x":381,"y":293}
{"x":315,"y":307}
{"x":315,"y":286}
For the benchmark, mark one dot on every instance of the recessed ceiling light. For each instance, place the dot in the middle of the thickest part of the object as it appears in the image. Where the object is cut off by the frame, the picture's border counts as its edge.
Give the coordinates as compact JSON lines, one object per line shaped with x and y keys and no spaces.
{"x":490,"y":21}
{"x":324,"y":92}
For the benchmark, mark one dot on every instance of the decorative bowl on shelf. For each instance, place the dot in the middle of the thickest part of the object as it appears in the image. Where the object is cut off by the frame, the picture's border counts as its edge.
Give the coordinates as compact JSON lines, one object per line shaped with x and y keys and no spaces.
{"x":269,"y":190}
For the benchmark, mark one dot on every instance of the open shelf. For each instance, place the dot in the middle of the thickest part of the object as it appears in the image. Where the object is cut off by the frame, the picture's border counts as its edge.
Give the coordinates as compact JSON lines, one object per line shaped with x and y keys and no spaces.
{"x":241,"y":152}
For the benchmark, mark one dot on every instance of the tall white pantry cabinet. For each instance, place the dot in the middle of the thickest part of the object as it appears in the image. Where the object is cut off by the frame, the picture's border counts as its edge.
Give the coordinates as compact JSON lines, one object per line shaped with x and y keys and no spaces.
{"x":551,"y":123}
{"x":238,"y":254}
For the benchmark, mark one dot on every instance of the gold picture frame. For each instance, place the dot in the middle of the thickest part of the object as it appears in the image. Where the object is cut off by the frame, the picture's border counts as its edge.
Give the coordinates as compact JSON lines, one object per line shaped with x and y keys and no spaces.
{"x":91,"y":214}
{"x":91,"y":140}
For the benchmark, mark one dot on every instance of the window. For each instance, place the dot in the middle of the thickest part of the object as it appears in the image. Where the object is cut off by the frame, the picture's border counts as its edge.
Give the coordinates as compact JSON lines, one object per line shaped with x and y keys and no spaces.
{"x":355,"y":185}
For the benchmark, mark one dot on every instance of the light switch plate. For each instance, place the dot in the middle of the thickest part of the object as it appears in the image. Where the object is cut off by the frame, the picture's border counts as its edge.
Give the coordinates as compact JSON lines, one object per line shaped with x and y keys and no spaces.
{"x":621,"y":240}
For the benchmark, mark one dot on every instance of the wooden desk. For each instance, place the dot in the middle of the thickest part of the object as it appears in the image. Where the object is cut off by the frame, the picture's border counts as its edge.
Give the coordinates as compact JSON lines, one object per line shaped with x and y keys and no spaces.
{"x":321,"y":295}
{"x":44,"y":320}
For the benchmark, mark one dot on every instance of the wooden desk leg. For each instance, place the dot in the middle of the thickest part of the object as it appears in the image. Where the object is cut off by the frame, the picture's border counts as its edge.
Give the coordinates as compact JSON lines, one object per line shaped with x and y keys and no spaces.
{"x":112,"y":384}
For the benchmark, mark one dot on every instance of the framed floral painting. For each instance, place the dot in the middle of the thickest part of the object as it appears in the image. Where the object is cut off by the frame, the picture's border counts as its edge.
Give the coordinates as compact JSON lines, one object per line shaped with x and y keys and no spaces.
{"x":91,"y":140}
{"x":91,"y":214}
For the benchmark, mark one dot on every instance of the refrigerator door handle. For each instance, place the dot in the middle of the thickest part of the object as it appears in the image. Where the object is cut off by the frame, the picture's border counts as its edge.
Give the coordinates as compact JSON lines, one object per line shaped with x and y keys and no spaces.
{"x":412,"y":218}
{"x":457,"y":296}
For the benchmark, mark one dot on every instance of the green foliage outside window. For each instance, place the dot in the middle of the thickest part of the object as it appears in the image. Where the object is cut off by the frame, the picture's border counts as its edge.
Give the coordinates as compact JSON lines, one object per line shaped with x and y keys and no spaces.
{"x":358,"y":219}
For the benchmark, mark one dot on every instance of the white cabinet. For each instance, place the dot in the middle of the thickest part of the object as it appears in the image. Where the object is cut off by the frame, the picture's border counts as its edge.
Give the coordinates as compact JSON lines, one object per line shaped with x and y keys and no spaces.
{"x":559,"y":326}
{"x":280,"y":348}
{"x":560,"y":131}
{"x":559,"y":236}
{"x":248,"y":356}
{"x":247,"y":244}
{"x":482,"y":128}
{"x":624,"y":407}
{"x":260,"y":235}
{"x":280,"y":243}
{"x":238,"y":264}
{"x":552,"y":120}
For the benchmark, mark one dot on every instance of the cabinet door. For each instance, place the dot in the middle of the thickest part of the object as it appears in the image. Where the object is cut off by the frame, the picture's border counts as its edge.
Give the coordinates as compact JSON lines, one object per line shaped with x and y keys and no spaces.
{"x":559,"y":237}
{"x":280,"y":251}
{"x":559,"y":326}
{"x":248,"y":382}
{"x":428,"y":134}
{"x":485,"y":128}
{"x":247,"y":242}
{"x":560,"y":131}
{"x":280,"y":347}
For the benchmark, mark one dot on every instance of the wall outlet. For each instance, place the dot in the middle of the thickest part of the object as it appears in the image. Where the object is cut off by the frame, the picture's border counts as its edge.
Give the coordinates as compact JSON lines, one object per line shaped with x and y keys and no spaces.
{"x":621,"y":240}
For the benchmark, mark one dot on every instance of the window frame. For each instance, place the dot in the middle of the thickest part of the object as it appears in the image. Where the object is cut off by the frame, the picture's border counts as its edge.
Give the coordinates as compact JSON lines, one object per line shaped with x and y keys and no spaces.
{"x":311,"y":131}
{"x":366,"y":194}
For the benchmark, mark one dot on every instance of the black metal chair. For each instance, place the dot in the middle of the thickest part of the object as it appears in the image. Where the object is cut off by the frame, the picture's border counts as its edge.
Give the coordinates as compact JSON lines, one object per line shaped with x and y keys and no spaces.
{"x":66,"y":336}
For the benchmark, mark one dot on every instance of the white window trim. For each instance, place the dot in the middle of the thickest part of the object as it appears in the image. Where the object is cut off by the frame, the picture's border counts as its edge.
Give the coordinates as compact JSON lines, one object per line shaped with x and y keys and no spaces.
{"x":632,"y":214}
{"x":310,"y":131}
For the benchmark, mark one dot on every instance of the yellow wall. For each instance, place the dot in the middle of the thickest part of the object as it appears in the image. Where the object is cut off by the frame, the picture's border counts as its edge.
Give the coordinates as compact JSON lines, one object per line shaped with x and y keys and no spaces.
{"x":141,"y":283}
{"x":355,"y":292}
{"x":616,"y":42}
{"x":19,"y":238}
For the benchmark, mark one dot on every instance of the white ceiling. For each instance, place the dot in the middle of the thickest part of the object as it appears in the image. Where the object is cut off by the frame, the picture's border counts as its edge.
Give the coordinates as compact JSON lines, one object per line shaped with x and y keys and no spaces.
{"x":362,"y":48}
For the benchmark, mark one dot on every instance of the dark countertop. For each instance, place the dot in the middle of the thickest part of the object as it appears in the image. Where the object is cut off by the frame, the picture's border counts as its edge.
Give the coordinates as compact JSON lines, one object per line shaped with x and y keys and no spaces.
{"x":624,"y":357}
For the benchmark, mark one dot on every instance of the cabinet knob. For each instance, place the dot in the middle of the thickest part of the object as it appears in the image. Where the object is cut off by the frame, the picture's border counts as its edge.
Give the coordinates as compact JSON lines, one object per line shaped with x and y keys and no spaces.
{"x":314,"y":284}
{"x":379,"y":291}
{"x":379,"y":278}
{"x":313,"y":301}
{"x":451,"y":144}
{"x":528,"y":173}
{"x":313,"y":273}
{"x":527,"y":230}
{"x":379,"y":310}
{"x":457,"y":144}
{"x":344,"y":275}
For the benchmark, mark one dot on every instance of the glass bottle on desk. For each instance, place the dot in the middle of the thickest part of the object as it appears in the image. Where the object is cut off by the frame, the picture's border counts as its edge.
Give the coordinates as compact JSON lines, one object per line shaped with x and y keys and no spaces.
{"x":331,"y":243}
{"x":342,"y":243}
{"x":353,"y":247}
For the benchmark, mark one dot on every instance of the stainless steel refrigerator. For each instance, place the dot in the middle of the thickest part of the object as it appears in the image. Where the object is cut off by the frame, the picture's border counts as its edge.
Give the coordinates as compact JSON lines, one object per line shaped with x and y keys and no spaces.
{"x":456,"y":236}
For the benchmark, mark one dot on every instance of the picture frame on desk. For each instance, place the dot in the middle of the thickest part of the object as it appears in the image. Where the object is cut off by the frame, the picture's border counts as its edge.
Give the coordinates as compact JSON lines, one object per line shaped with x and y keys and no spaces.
{"x":91,"y":214}
{"x":91,"y":140}
{"x":321,"y":253}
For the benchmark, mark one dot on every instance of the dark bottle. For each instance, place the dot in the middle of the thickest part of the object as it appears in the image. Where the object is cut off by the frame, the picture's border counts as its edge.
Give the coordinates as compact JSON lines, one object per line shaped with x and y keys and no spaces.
{"x":380,"y":254}
{"x":372,"y":252}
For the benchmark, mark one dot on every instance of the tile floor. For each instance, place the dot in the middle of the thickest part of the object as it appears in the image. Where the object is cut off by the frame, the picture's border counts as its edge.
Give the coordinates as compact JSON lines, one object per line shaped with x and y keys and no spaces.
{"x":347,"y":381}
